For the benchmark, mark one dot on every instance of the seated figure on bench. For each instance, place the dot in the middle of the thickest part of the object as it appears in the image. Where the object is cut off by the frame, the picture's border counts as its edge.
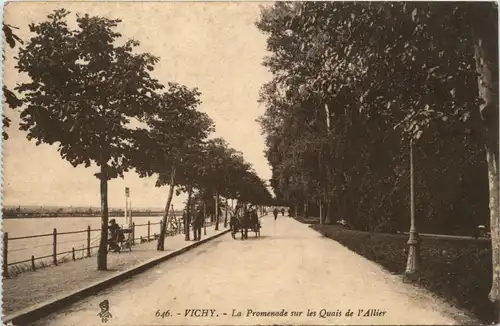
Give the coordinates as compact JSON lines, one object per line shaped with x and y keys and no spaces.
{"x":116,"y":237}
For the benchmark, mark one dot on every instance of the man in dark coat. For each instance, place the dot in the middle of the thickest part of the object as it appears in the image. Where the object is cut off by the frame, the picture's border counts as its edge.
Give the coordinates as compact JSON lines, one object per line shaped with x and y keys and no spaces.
{"x":254,"y":215}
{"x":197,"y":225}
{"x":275,"y":213}
{"x":115,"y":236}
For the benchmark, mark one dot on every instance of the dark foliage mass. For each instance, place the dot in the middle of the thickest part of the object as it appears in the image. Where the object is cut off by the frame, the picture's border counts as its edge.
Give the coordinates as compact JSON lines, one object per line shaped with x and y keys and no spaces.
{"x":352,"y":83}
{"x":10,"y":98}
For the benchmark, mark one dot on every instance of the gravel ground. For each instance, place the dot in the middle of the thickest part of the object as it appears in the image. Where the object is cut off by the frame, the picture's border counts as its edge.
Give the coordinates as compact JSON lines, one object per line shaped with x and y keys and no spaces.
{"x":290,"y":270}
{"x":30,"y":288}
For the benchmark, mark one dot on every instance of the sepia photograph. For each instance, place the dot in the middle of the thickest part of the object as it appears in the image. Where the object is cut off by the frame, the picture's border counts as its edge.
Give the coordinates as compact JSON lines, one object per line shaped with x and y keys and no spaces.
{"x":250,"y":163}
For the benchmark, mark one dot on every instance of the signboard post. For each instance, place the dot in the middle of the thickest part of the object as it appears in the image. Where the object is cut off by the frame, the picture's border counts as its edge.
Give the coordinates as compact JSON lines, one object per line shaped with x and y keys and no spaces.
{"x":128,"y":208}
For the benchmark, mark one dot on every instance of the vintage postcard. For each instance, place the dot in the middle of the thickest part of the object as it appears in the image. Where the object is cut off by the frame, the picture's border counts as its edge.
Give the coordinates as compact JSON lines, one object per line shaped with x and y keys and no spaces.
{"x":250,"y":163}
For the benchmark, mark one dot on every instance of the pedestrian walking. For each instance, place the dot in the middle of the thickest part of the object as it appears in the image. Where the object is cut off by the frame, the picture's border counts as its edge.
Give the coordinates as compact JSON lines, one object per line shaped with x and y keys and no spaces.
{"x":282,"y":211}
{"x":275,"y":213}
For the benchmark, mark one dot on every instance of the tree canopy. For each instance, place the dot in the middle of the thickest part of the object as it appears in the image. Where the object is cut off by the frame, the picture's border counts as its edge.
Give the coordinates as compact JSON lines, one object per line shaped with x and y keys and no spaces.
{"x":10,"y":98}
{"x":83,"y":92}
{"x":353,"y":82}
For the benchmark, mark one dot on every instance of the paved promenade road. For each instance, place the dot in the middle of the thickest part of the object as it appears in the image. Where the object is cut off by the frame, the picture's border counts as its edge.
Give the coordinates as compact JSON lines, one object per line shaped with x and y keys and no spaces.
{"x":290,"y":268}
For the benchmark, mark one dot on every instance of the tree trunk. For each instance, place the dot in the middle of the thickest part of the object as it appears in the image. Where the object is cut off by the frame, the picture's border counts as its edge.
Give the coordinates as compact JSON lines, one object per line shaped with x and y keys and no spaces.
{"x":102,"y":254}
{"x":320,"y":184}
{"x":161,"y":240}
{"x":328,"y":219}
{"x":187,"y":221}
{"x":486,"y":55}
{"x":492,"y":159}
{"x":225,"y":215}
{"x":217,"y":212}
{"x":196,"y":217}
{"x":204,"y":217}
{"x":328,"y":213}
{"x":321,"y":212}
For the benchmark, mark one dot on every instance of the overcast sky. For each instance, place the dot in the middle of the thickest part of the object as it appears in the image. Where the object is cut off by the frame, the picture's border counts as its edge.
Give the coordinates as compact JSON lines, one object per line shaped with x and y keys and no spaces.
{"x":213,"y":46}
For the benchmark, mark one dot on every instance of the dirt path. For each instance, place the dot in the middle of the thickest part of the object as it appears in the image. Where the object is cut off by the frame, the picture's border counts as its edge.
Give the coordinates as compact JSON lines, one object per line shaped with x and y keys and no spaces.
{"x":291,"y":268}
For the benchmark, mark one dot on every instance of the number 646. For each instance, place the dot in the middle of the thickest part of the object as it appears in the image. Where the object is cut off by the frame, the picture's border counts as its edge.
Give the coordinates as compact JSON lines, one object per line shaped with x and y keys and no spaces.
{"x":162,"y":314}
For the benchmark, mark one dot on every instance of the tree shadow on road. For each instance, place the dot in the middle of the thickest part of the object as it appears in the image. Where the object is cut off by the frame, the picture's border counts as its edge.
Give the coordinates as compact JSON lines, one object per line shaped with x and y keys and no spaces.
{"x":262,"y":237}
{"x":111,"y":270}
{"x":280,"y":237}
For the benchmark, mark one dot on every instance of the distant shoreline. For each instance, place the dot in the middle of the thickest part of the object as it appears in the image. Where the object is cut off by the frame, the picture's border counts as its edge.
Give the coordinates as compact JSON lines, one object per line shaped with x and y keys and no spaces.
{"x":21,"y":216}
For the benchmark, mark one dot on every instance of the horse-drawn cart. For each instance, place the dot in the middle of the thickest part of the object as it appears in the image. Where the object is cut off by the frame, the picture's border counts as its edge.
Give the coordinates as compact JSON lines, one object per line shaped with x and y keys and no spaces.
{"x":242,"y":222}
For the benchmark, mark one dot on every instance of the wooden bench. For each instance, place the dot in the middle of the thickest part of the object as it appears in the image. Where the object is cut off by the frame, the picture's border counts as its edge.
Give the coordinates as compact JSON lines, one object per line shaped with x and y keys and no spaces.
{"x":125,"y":241}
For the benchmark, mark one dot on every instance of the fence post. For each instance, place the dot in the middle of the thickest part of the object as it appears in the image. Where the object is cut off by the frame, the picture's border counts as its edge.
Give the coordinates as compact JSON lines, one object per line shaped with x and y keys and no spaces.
{"x":149,"y":229}
{"x":32,"y":263}
{"x":5,"y":251}
{"x":88,"y":241}
{"x":54,"y":247}
{"x":133,"y":233}
{"x":73,"y":251}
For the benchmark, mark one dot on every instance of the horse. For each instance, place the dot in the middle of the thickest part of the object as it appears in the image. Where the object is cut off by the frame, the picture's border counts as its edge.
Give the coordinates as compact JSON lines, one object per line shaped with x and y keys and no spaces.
{"x":236,"y":224}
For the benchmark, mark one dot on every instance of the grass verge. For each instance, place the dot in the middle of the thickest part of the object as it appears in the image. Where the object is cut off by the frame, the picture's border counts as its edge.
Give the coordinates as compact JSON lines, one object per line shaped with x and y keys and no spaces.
{"x":458,"y":270}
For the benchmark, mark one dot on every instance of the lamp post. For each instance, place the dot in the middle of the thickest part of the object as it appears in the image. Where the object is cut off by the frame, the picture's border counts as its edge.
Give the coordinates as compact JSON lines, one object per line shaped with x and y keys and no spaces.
{"x":128,"y":208}
{"x":225,"y":214}
{"x":126,"y":205}
{"x":413,"y":263}
{"x":204,"y":217}
{"x":216,"y":199}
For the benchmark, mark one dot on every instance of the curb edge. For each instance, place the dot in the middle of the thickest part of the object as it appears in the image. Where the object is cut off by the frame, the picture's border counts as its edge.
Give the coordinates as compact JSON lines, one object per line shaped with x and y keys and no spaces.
{"x":45,"y":308}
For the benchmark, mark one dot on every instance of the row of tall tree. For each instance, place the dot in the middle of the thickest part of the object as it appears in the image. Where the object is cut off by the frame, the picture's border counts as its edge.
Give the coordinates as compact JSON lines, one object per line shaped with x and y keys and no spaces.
{"x":95,"y":97}
{"x":355,"y":83}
